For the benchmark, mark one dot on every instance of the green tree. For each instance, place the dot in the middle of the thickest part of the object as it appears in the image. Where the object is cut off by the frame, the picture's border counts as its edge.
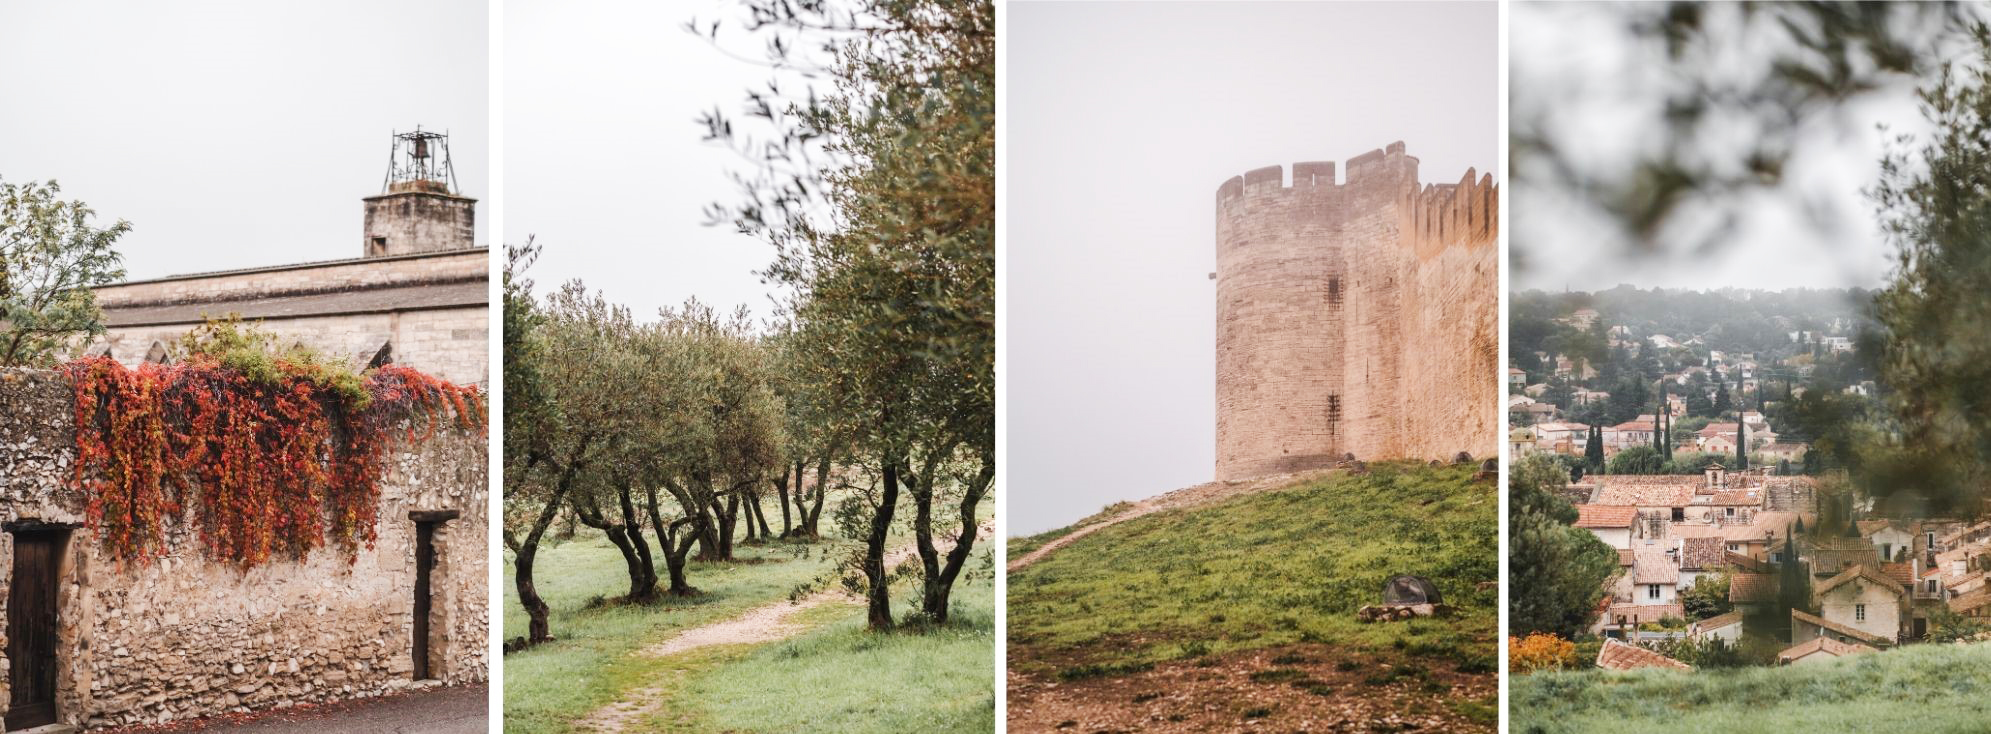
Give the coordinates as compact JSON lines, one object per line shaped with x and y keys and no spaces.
{"x":1637,"y":460}
{"x":1593,"y":450}
{"x":1935,"y":206}
{"x":1741,"y":443}
{"x":50,"y":257}
{"x":1708,"y":596}
{"x":1558,"y":570}
{"x":1946,"y":626}
{"x":878,"y":193}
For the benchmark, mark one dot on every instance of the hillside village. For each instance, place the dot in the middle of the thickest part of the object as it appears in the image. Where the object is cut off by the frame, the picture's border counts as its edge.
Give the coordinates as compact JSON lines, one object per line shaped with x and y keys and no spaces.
{"x":1735,"y":545}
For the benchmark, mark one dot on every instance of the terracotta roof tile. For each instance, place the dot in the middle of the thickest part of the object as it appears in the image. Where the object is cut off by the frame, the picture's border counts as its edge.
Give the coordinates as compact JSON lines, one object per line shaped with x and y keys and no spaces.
{"x":1718,"y":621}
{"x":1646,"y":490}
{"x":1702,"y":554}
{"x":1747,"y":588}
{"x":1971,"y":601}
{"x":1616,"y":655}
{"x":1864,"y":571}
{"x":1821,"y":644}
{"x":1605,"y":516}
{"x":1652,"y":566}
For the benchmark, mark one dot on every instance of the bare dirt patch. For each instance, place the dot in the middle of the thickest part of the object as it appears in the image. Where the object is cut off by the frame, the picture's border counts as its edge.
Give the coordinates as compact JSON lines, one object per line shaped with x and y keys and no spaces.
{"x":1313,"y":688}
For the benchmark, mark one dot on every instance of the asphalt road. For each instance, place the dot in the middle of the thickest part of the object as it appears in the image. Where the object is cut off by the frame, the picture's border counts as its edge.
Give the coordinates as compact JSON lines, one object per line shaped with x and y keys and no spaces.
{"x":452,"y":710}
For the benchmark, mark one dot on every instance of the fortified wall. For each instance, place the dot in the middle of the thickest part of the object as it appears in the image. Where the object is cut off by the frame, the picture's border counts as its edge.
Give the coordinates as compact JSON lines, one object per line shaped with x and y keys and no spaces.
{"x":183,"y":636}
{"x":1355,"y":317}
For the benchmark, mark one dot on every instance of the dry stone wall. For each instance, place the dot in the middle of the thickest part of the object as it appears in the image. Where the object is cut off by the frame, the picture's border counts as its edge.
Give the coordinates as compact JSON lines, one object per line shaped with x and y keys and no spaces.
{"x":1357,"y":317}
{"x":181,"y":636}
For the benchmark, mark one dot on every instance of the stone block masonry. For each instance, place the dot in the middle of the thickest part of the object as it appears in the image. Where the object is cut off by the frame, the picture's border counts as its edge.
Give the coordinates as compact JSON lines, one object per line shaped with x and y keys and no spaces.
{"x":182,"y":636}
{"x":1359,"y":317}
{"x":430,"y":309}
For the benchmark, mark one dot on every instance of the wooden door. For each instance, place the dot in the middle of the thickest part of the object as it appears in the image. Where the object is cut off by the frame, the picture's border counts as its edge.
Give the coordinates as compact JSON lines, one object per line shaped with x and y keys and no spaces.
{"x":425,"y":560}
{"x":31,"y":621}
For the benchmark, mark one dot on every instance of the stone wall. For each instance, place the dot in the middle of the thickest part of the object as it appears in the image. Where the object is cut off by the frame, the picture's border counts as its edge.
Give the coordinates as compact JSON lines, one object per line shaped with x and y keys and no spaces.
{"x":1357,"y":317}
{"x":405,"y":222}
{"x":337,"y":275}
{"x":433,"y":309}
{"x":181,"y":637}
{"x":453,"y":344}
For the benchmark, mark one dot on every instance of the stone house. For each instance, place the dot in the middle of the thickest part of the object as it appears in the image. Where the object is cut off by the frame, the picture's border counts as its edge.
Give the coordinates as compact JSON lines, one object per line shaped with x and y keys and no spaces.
{"x":1701,"y":557}
{"x":1629,"y":433}
{"x":1561,"y":438}
{"x":94,"y":641}
{"x":1891,"y":539}
{"x":1611,"y":524}
{"x":1865,"y":600}
{"x":1783,"y":451}
{"x":1656,"y":575}
{"x":1724,"y":627}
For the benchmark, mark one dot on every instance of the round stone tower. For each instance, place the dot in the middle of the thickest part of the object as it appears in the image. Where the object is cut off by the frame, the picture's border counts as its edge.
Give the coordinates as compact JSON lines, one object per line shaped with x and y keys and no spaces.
{"x":1355,"y":317}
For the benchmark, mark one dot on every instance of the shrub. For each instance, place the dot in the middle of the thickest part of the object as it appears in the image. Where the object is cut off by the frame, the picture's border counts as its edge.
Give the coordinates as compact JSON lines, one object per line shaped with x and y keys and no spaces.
{"x":1540,"y":651}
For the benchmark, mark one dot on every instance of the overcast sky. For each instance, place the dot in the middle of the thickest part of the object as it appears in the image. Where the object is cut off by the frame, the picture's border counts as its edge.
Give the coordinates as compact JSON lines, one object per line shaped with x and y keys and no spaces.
{"x":1583,"y":61}
{"x":236,"y":134}
{"x":1123,"y":119}
{"x":603,"y":158}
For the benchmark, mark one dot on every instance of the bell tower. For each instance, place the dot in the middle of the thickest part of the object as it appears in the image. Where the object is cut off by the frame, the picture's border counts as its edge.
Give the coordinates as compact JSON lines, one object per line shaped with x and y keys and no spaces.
{"x":419,"y":208}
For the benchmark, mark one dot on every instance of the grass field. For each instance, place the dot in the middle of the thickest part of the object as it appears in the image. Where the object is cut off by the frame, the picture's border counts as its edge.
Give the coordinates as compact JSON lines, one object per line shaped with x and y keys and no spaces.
{"x":588,"y":663}
{"x":1267,"y":569}
{"x":838,"y":672}
{"x":841,"y":678}
{"x":1919,"y":689}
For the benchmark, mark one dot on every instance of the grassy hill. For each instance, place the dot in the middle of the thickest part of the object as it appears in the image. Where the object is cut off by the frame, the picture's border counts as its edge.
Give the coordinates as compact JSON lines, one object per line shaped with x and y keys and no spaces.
{"x":1286,"y":569}
{"x":1924,"y":689}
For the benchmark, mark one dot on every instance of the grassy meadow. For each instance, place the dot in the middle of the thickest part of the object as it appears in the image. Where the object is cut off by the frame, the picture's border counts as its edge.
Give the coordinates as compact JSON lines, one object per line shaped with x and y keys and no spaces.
{"x":1267,"y":569}
{"x":836,"y":672}
{"x":1917,"y":689}
{"x":841,"y":678}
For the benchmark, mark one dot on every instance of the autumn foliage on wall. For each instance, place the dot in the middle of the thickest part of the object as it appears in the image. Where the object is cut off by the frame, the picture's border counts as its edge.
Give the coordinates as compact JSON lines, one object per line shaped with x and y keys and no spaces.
{"x":267,"y":461}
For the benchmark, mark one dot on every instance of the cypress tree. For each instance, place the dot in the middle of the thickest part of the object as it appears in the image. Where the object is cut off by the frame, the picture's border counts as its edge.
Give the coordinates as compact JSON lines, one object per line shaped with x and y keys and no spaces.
{"x":1741,"y":443}
{"x":1593,"y":451}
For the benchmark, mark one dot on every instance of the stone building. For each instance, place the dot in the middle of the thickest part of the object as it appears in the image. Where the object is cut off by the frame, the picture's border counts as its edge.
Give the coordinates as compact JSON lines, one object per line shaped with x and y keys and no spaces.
{"x":418,"y":294}
{"x":1355,"y":317}
{"x":91,"y":641}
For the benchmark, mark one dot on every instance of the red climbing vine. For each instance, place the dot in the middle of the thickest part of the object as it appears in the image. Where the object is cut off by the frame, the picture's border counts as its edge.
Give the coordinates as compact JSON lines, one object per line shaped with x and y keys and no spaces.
{"x":268,"y":462}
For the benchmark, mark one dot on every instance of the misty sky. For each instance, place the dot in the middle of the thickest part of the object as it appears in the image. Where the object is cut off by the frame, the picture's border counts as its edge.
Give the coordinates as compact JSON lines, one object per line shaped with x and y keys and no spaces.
{"x":237,"y":133}
{"x":1123,"y":119}
{"x":603,"y":158}
{"x":1582,"y":59}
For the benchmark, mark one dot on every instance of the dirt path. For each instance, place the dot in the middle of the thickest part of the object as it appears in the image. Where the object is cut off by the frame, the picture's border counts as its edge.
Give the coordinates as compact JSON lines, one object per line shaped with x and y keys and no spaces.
{"x":766,"y":623}
{"x":1201,"y":494}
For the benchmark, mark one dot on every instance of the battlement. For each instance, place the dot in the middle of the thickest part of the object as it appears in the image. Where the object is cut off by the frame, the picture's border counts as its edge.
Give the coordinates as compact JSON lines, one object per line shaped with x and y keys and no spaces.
{"x":1444,"y":215}
{"x":1356,"y":314}
{"x":1386,"y":165}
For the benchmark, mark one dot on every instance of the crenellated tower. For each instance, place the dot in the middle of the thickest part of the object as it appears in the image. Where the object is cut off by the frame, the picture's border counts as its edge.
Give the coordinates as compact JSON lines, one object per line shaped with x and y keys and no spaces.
{"x":1355,"y":317}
